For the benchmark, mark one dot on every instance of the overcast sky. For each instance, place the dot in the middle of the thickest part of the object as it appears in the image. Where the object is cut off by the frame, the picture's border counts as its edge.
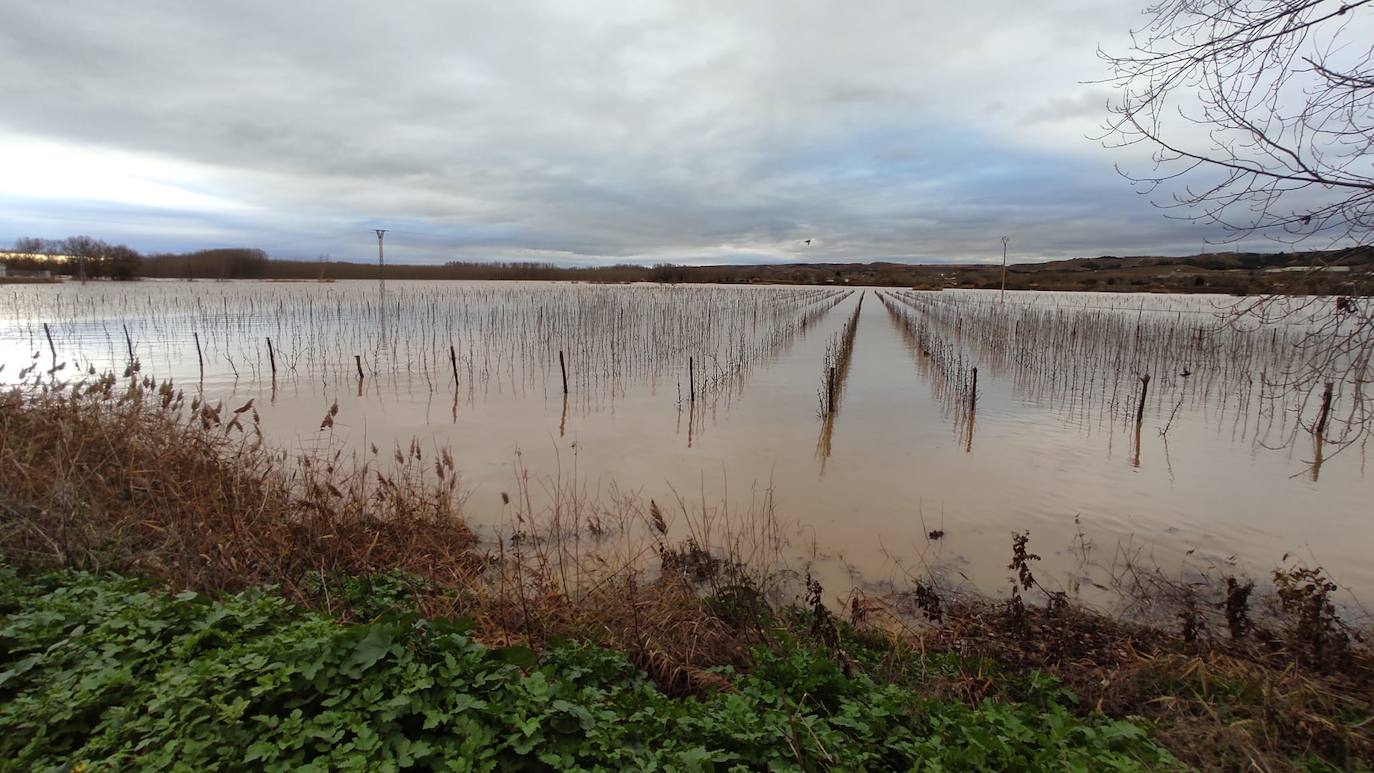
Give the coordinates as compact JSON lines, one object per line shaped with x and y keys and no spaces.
{"x":571,"y":131}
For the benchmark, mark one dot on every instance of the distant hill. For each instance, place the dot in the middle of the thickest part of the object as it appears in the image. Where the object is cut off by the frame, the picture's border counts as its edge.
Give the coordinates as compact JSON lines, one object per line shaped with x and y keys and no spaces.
{"x":1345,"y":272}
{"x":1215,"y":261}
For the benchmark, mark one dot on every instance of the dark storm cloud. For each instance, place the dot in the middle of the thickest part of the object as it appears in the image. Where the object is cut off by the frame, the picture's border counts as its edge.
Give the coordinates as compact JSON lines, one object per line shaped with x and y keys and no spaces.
{"x":577,"y":132}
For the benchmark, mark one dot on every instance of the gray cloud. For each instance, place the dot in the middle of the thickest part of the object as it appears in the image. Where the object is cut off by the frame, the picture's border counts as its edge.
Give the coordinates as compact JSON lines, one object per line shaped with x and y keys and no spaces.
{"x":578,"y":132}
{"x":1090,"y":103}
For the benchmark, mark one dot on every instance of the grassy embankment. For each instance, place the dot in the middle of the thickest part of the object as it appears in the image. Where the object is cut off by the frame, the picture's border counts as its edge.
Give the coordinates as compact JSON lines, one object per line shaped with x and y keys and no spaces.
{"x":177,"y":594}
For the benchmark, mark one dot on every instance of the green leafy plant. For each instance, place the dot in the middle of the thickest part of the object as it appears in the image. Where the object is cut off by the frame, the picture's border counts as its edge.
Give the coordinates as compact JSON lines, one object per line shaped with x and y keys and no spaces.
{"x":101,"y":672}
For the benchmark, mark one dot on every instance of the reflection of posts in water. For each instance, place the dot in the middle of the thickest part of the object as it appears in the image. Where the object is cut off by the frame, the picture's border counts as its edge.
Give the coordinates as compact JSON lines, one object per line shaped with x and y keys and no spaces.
{"x":972,"y":410}
{"x":1140,"y":416}
{"x":272,"y":358}
{"x":830,"y":392}
{"x":823,"y":442}
{"x":835,"y":378}
{"x":1320,"y":429}
{"x":691,"y":421}
{"x":563,"y":422}
{"x":381,"y":308}
{"x":453,"y":361}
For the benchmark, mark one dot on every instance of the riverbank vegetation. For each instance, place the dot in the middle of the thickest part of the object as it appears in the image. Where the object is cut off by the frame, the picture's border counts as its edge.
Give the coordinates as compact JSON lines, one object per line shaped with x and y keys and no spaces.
{"x":260,"y":608}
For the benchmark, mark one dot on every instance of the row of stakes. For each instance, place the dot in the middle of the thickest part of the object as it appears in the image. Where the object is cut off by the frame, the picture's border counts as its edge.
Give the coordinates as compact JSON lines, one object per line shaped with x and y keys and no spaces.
{"x":1318,"y":429}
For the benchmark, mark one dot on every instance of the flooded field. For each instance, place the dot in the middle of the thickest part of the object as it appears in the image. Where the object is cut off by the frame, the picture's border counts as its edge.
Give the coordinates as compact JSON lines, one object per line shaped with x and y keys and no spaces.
{"x":891,"y":432}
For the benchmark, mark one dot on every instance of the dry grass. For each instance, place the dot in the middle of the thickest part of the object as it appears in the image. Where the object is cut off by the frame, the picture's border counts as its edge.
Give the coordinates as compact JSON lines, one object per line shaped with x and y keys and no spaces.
{"x":1214,"y":706}
{"x":1258,"y":702}
{"x":127,"y":475}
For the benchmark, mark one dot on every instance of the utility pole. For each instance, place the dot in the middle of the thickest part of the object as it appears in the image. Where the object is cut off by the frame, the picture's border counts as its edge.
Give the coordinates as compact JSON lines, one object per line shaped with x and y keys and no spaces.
{"x":381,"y":284}
{"x":380,"y":263}
{"x":1003,"y":296}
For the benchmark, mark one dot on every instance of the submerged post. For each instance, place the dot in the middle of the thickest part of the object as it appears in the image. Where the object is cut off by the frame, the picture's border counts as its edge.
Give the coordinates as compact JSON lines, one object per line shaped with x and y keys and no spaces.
{"x":358,"y":363}
{"x":1140,"y":407}
{"x":1320,"y":429}
{"x":453,"y":360}
{"x":691,"y":380}
{"x":200,"y":358}
{"x":973,"y":391}
{"x":129,"y":341}
{"x":51,"y":347}
{"x":272,"y":358}
{"x":564,"y":369}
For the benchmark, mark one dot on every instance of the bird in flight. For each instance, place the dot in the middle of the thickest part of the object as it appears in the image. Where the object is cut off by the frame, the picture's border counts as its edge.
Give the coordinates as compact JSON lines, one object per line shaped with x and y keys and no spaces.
{"x":808,"y":242}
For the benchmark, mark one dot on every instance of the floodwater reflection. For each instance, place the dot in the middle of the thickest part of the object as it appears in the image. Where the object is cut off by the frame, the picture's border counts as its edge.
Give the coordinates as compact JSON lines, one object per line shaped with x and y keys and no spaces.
{"x":1057,"y":380}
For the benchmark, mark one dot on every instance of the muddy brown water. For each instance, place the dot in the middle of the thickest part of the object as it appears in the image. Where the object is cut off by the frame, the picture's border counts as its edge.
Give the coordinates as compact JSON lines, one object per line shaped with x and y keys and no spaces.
{"x":1211,"y":492}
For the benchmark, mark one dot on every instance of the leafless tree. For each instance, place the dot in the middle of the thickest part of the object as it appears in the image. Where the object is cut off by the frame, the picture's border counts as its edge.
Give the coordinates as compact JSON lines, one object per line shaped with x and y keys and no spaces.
{"x":30,"y":254}
{"x":29,"y":245}
{"x":121,"y":262}
{"x":1258,"y":116}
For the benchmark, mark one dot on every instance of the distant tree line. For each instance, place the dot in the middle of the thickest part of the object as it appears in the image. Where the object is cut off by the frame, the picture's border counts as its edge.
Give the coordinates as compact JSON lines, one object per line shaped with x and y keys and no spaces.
{"x":223,"y":263}
{"x":1240,"y":273}
{"x":255,"y":264}
{"x":76,"y":256}
{"x":98,"y":259}
{"x":84,"y":255}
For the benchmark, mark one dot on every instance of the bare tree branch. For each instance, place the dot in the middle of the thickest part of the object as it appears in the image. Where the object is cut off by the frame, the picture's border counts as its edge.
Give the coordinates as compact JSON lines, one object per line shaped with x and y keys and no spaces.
{"x":1260,"y":118}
